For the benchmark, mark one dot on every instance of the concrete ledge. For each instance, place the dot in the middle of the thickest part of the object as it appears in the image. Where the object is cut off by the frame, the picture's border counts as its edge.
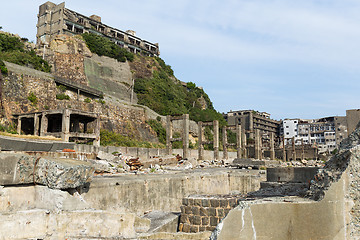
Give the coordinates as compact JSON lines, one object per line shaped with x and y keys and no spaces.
{"x":291,"y":174}
{"x":18,"y":144}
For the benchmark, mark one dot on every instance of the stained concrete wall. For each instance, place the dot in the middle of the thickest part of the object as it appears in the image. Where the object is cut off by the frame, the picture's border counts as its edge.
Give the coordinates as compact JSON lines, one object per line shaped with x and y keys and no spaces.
{"x":37,"y":212}
{"x":290,"y":218}
{"x":144,"y":153}
{"x":142,"y":193}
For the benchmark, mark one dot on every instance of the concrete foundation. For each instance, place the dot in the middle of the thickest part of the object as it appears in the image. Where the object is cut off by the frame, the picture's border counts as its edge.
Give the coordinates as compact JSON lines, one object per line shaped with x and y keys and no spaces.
{"x":143,"y":193}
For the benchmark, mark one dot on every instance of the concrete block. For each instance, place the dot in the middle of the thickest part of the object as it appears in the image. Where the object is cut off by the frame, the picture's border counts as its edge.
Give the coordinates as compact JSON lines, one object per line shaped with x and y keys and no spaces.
{"x":53,"y":172}
{"x":163,"y":221}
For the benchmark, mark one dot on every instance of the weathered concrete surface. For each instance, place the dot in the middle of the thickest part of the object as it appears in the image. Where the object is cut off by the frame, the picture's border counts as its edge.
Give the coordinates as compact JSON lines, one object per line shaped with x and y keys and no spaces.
{"x":330,"y":211}
{"x":18,"y":144}
{"x":37,"y":212}
{"x":13,"y":199}
{"x":143,"y":193}
{"x":89,"y":224}
{"x":52,"y":172}
{"x":172,"y":236}
{"x":289,"y":218}
{"x":163,"y":221}
{"x":291,"y":174}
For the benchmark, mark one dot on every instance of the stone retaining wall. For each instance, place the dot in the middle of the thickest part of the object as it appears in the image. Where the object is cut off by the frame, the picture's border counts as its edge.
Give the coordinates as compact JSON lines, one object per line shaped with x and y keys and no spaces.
{"x":204,"y":213}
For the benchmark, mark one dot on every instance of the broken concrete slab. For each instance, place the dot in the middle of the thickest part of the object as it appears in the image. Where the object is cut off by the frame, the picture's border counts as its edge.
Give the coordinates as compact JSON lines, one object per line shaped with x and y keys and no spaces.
{"x":105,"y":156}
{"x":163,"y":221}
{"x":55,"y":173}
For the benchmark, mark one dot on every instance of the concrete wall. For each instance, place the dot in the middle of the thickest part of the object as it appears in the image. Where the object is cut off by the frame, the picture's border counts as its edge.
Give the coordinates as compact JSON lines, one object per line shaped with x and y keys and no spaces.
{"x":37,"y":212}
{"x":144,"y":153}
{"x":289,"y":219}
{"x":141,"y":193}
{"x":291,"y":174}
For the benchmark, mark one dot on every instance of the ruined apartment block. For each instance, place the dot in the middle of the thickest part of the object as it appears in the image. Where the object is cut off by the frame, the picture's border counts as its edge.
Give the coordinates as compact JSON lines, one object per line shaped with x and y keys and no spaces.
{"x":251,"y":120}
{"x":56,"y":19}
{"x":325,"y":133}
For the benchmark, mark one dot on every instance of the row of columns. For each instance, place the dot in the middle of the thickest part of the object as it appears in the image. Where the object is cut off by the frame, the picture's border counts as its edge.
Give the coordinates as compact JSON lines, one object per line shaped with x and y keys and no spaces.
{"x":241,"y":141}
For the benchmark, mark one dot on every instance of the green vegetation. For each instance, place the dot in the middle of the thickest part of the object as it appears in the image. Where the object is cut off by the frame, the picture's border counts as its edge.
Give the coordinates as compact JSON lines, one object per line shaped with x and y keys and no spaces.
{"x":3,"y":68}
{"x":62,"y":88}
{"x":12,"y":49}
{"x":104,"y":47}
{"x":114,"y":139}
{"x":62,"y":96}
{"x":167,"y":96}
{"x":8,"y":128}
{"x":87,"y":100}
{"x":32,"y":98}
{"x":159,"y":129}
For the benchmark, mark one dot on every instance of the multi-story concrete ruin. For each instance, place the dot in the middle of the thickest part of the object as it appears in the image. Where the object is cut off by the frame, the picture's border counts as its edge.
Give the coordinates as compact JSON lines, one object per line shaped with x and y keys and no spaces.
{"x":325,"y":133}
{"x":251,"y":120}
{"x":56,"y":19}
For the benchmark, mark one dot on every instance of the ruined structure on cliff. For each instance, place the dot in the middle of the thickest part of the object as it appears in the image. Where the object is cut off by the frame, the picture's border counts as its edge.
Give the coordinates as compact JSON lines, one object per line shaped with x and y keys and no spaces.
{"x":56,"y":19}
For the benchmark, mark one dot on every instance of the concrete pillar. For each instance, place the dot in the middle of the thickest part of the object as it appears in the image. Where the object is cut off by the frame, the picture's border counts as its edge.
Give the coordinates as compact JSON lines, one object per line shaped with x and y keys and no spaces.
{"x":293,"y":149}
{"x":77,"y":126}
{"x":302,"y":148}
{"x":65,"y":128}
{"x":185,"y":138}
{"x":251,"y":125}
{"x":168,"y":135}
{"x":225,"y":152}
{"x":43,"y":125}
{"x":201,"y":139}
{"x":272,"y":146}
{"x":284,"y":150}
{"x":19,"y":125}
{"x":96,"y":142}
{"x":244,"y":143}
{"x":216,"y":139}
{"x":238,"y":141}
{"x":36,"y":124}
{"x":257,"y":144}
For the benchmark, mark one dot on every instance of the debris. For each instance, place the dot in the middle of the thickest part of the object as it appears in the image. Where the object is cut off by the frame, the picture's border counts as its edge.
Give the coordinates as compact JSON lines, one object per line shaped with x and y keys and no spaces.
{"x":134,"y":164}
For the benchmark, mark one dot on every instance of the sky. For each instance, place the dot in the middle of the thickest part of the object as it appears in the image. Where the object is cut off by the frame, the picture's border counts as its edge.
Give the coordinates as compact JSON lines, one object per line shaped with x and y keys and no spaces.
{"x":290,"y":58}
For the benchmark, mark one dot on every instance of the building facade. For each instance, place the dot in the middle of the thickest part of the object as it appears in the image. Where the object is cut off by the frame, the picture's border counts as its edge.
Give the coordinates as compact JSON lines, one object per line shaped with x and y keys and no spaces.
{"x":251,"y":120}
{"x":56,"y":19}
{"x":316,"y":132}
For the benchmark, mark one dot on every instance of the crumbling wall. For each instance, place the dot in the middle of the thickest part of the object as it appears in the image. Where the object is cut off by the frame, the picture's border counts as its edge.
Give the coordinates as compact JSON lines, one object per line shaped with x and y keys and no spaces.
{"x":329,"y":211}
{"x":21,"y":82}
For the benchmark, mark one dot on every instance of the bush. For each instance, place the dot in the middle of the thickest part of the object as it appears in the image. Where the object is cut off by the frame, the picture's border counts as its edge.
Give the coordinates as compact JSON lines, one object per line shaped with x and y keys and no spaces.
{"x":62,"y":96}
{"x":104,"y":47}
{"x":87,"y":100}
{"x":114,"y":139}
{"x":32,"y":98}
{"x":159,"y":129}
{"x":168,"y":97}
{"x":12,"y":50}
{"x":62,"y":88}
{"x":3,"y":68}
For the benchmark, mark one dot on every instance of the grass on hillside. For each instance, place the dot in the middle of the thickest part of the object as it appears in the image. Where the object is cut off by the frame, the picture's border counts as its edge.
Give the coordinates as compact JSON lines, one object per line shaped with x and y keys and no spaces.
{"x":12,"y":49}
{"x":104,"y":47}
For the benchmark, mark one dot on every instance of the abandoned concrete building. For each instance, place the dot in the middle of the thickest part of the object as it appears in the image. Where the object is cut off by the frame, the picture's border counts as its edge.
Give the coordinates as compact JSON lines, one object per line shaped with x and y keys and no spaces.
{"x":251,"y":120}
{"x":56,"y":19}
{"x":325,"y":133}
{"x":67,"y":124}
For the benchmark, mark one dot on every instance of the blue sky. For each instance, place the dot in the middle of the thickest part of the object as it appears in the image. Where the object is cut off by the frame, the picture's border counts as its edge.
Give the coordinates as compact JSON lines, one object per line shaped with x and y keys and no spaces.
{"x":292,"y":59}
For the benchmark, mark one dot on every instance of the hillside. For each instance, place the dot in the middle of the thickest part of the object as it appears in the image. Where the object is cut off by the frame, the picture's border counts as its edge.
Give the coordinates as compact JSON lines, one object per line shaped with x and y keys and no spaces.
{"x":155,"y":84}
{"x":31,"y":87}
